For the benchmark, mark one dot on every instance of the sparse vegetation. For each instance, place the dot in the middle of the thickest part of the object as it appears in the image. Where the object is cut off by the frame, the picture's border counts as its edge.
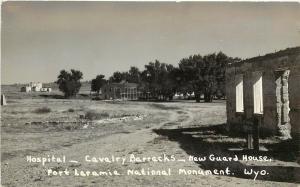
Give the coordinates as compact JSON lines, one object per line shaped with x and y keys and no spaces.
{"x":42,"y":110}
{"x":105,"y":124}
{"x":93,"y":115}
{"x":164,"y":107}
{"x":159,"y":139}
{"x":71,"y":110}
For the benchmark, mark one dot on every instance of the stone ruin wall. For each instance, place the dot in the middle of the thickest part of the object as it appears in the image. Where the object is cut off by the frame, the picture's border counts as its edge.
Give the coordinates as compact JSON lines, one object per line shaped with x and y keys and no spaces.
{"x":280,"y":90}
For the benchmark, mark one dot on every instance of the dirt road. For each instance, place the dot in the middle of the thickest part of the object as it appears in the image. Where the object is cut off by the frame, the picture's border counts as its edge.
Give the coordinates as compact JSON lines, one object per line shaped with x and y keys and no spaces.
{"x":161,"y":130}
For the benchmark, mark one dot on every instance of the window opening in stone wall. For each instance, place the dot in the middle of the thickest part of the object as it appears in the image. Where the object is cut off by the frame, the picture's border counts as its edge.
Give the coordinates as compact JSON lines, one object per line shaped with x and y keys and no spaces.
{"x":239,"y":93}
{"x":257,"y":92}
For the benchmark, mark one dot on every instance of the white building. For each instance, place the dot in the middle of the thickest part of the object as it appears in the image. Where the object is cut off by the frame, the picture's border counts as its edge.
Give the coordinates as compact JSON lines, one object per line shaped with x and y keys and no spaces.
{"x":26,"y":89}
{"x":46,"y":89}
{"x":36,"y":86}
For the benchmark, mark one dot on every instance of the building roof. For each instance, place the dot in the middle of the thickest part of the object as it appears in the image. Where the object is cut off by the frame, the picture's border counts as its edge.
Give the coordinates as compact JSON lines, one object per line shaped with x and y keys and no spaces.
{"x":122,"y":83}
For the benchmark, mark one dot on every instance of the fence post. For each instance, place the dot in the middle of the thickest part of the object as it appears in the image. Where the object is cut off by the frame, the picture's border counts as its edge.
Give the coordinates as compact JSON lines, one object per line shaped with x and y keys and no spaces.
{"x":256,"y":125}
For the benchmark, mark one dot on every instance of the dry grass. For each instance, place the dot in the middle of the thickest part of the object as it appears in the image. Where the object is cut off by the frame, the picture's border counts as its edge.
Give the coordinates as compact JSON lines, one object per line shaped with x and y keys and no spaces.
{"x":42,"y":110}
{"x":159,"y":139}
{"x":93,"y":115}
{"x":164,"y":107}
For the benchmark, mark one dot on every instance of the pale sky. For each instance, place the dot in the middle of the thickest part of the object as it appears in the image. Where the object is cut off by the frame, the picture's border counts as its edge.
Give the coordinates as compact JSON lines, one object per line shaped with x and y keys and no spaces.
{"x":41,"y":38}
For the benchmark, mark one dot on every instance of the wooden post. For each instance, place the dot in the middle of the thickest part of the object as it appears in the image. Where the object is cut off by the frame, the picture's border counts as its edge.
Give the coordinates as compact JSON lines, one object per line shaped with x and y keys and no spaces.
{"x":249,"y":141}
{"x":248,"y":127}
{"x":256,"y":124}
{"x":3,"y":100}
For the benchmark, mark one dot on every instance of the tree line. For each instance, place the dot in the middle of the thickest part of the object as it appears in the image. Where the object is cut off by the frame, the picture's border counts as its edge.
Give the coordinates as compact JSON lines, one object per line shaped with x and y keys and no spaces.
{"x":201,"y":75}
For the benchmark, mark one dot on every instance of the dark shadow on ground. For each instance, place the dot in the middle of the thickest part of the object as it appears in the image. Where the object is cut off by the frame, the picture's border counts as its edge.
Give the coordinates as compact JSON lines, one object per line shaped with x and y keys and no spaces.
{"x":57,"y":96}
{"x":52,"y":96}
{"x":203,"y":141}
{"x":178,"y":101}
{"x":283,"y":150}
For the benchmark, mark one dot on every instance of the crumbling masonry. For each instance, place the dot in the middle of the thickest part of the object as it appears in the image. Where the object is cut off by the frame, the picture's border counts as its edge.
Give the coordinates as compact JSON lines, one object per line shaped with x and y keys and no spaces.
{"x":264,"y":92}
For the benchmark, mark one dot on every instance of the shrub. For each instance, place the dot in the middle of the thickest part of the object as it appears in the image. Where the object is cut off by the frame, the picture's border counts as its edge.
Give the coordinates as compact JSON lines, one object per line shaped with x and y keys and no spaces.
{"x":42,"y":110}
{"x":92,"y":115}
{"x":96,"y":98}
{"x":71,"y":110}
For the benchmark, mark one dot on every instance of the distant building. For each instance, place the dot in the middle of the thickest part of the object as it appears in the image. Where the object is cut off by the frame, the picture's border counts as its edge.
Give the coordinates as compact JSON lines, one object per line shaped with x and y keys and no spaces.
{"x":184,"y":96}
{"x":26,"y":89}
{"x":35,"y":87}
{"x":123,"y":90}
{"x":46,"y":89}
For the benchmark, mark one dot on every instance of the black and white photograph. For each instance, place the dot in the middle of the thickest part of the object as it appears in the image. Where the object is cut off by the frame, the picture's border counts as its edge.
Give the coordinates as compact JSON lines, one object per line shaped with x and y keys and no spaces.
{"x":150,"y":94}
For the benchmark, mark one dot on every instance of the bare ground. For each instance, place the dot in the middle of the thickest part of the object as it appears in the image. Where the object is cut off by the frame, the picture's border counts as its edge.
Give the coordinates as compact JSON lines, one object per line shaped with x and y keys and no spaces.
{"x":140,"y":128}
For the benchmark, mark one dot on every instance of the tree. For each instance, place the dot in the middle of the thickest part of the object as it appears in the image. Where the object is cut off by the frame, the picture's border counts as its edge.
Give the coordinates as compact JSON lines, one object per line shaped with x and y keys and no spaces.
{"x":97,"y":83}
{"x":191,"y":79}
{"x":204,"y":75}
{"x":222,"y":61}
{"x":134,"y":75}
{"x":169,"y":81}
{"x":69,"y":82}
{"x":118,"y":76}
{"x":156,"y":79}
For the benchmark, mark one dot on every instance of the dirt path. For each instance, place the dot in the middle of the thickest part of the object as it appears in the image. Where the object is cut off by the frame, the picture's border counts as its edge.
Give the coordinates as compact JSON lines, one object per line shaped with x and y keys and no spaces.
{"x":140,"y":142}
